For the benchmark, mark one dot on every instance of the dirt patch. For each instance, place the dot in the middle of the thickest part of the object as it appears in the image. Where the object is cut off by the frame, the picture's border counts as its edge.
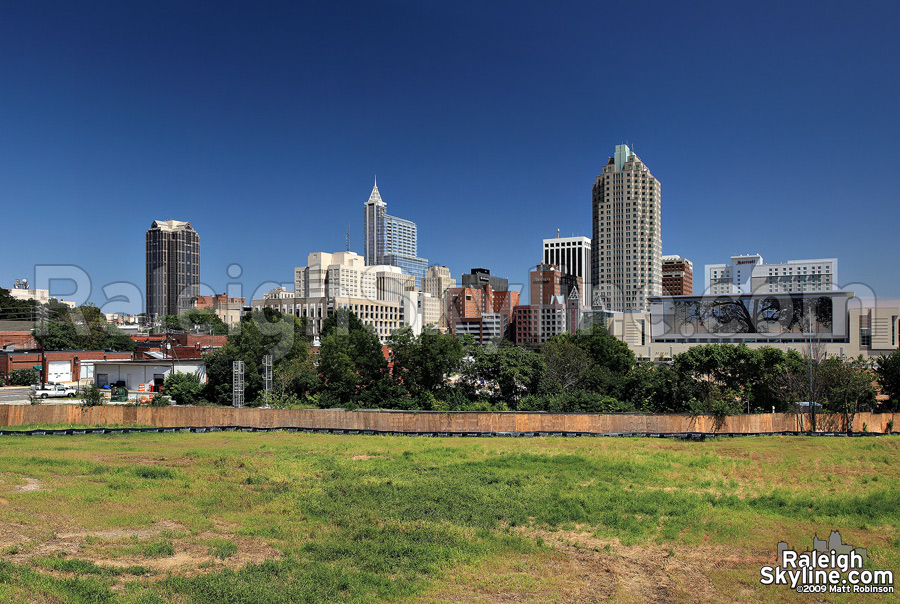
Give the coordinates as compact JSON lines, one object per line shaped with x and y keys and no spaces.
{"x":139,"y":460}
{"x":31,"y":484}
{"x":361,"y":457}
{"x":192,"y":558}
{"x":581,"y":568}
{"x":192,"y":552}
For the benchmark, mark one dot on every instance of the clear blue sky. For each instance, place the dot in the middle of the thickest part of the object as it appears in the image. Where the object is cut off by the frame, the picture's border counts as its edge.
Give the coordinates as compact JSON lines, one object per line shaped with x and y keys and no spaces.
{"x":773,"y":128}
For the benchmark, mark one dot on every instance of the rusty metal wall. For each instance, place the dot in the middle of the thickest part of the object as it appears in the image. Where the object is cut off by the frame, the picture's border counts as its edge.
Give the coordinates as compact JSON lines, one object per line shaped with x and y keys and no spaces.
{"x":432,"y":421}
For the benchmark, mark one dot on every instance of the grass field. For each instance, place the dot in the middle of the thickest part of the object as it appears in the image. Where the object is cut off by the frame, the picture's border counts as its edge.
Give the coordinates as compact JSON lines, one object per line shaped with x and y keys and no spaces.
{"x":277,"y":517}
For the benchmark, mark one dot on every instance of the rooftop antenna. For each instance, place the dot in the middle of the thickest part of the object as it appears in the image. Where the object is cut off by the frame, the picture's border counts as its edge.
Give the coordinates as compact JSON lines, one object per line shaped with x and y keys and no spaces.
{"x":557,"y":233}
{"x":348,"y":237}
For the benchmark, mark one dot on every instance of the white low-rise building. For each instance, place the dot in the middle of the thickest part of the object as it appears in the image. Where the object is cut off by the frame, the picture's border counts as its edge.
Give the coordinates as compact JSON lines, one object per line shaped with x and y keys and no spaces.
{"x":143,"y":375}
{"x":748,"y":274}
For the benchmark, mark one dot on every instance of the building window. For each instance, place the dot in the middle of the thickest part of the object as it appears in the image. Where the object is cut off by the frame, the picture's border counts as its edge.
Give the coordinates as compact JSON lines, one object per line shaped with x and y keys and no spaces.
{"x":865,"y":336}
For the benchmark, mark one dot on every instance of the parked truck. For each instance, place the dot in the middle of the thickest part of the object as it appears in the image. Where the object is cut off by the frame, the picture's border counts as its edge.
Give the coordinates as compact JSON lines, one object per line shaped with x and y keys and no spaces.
{"x":54,"y":391}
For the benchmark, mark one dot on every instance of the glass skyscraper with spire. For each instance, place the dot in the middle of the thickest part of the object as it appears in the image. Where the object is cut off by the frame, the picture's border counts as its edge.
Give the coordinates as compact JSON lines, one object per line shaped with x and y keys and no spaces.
{"x":391,"y":240}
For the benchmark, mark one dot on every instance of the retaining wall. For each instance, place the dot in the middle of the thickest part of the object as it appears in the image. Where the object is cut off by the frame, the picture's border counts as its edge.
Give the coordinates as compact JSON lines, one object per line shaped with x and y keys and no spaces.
{"x":434,"y":421}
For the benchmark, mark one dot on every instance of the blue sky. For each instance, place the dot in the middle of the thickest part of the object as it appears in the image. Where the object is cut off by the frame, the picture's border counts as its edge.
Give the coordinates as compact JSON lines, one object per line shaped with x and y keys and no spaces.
{"x":772,"y":127}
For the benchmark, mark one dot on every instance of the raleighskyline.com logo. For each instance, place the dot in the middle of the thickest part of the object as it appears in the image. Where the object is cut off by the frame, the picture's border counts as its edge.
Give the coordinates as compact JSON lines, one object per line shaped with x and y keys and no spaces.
{"x":831,"y":566}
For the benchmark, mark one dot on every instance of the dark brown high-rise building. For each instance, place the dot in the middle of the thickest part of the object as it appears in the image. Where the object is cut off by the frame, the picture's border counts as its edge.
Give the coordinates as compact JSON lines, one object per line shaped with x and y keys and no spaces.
{"x":173,"y":268}
{"x":677,"y":276}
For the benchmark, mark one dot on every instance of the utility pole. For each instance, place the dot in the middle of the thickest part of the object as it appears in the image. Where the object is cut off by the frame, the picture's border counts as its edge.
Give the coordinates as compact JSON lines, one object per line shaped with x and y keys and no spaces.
{"x":43,"y":352}
{"x":812,"y":403}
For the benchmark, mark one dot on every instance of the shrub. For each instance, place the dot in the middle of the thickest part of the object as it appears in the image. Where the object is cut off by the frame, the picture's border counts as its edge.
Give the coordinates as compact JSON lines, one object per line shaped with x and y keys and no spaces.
{"x":24,"y":377}
{"x":160,"y":400}
{"x":91,"y":396}
{"x":184,"y":388}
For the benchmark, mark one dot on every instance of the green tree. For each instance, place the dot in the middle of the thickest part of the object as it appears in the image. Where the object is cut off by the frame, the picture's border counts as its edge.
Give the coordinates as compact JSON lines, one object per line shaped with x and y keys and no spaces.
{"x":294,"y":381}
{"x":84,"y":328}
{"x":605,"y":350}
{"x":847,"y":387}
{"x":58,"y":335}
{"x":712,"y":378}
{"x":790,"y":381}
{"x":748,"y":375}
{"x":423,"y":363}
{"x":202,"y":319}
{"x":502,"y":373}
{"x":218,"y":387}
{"x":266,"y":332}
{"x":887,"y":368}
{"x":567,"y":363}
{"x":354,"y":370}
{"x":12,"y":309}
{"x":171,"y":323}
{"x":341,"y":321}
{"x":652,"y":389}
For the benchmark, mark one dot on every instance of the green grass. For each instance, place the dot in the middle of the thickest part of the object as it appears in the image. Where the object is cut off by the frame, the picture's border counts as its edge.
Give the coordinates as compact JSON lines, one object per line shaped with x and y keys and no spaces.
{"x":222,"y":548}
{"x":28,"y":427}
{"x":156,"y":548}
{"x":279,"y":517}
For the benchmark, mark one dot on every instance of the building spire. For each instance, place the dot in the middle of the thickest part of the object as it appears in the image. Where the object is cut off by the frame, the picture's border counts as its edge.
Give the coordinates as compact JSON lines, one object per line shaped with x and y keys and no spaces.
{"x":375,"y":196}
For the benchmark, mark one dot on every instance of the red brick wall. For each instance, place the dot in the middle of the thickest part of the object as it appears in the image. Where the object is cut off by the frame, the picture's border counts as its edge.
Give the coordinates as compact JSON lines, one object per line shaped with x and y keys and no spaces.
{"x":18,"y":339}
{"x":21,"y":360}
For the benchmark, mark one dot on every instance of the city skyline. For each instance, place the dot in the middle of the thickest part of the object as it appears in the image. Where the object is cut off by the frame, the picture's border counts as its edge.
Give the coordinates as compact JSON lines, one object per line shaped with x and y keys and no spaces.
{"x":267,"y":140}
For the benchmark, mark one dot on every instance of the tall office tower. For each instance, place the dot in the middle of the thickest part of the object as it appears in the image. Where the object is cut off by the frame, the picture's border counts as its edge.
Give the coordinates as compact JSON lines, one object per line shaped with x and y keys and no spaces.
{"x":626,"y":250}
{"x":391,"y":240}
{"x":573,"y":257}
{"x":677,"y":276}
{"x":173,"y":267}
{"x":436,"y":282}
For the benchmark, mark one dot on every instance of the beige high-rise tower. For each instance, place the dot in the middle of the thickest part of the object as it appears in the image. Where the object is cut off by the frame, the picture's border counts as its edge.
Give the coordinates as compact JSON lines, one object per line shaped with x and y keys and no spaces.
{"x":436,"y":282}
{"x":626,"y":250}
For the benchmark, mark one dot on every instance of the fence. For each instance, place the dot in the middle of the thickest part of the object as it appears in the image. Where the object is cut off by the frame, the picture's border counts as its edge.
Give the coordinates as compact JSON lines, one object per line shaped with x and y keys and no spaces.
{"x":434,"y":422}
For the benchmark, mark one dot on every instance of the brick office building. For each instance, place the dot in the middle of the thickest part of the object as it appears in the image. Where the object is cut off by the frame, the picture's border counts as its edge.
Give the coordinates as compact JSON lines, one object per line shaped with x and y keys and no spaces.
{"x":677,"y":276}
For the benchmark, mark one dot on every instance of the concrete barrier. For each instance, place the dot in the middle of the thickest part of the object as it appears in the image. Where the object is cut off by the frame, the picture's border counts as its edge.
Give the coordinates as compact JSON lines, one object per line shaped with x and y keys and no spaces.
{"x":438,"y":422}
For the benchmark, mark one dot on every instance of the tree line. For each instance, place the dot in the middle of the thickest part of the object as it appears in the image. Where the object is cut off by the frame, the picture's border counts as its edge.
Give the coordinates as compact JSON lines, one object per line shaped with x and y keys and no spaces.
{"x":590,"y":371}
{"x":65,"y":328}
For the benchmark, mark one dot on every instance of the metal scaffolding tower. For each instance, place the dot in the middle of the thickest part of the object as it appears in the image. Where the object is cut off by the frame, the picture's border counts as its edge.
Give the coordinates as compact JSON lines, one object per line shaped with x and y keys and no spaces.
{"x":267,"y":376}
{"x":237,"y":368}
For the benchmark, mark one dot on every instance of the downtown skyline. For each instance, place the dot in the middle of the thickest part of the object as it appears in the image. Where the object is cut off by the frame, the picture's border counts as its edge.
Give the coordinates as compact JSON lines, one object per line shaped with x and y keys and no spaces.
{"x":265,"y":128}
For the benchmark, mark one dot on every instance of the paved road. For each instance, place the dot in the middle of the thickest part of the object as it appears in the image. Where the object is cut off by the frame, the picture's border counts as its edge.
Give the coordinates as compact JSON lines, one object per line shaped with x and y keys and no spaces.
{"x":11,"y":395}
